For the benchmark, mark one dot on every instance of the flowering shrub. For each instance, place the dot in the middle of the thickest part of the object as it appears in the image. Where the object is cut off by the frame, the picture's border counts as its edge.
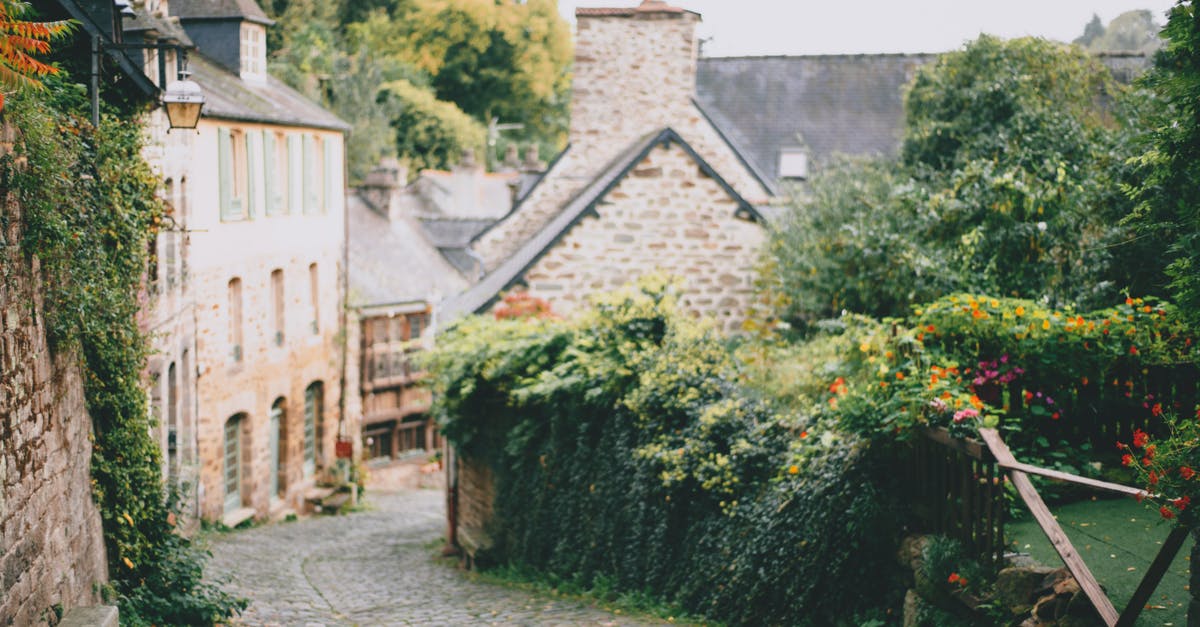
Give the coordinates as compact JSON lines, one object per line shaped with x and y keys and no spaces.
{"x":625,"y":435}
{"x":523,"y":305}
{"x":1168,"y":466}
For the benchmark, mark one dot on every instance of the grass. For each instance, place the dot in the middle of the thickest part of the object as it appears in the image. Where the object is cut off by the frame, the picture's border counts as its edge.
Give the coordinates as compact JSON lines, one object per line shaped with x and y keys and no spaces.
{"x":1117,"y":539}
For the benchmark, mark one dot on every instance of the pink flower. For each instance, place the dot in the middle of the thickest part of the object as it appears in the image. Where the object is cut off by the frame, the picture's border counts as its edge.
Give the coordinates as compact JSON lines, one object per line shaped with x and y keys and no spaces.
{"x":962,"y":415}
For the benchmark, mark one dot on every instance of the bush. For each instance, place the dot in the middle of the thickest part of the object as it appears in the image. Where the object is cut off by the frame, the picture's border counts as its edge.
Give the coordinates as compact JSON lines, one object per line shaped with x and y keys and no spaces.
{"x":626,"y":451}
{"x":431,"y":133}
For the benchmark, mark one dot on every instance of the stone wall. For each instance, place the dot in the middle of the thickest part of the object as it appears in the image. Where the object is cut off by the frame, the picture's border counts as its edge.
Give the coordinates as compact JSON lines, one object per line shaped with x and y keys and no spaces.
{"x":476,"y":504}
{"x":634,"y":75}
{"x":51,"y":542}
{"x":668,"y":216}
{"x":631,"y":73}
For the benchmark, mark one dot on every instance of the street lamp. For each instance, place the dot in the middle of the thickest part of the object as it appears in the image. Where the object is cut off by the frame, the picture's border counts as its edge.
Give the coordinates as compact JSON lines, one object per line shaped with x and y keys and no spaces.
{"x":183,"y":101}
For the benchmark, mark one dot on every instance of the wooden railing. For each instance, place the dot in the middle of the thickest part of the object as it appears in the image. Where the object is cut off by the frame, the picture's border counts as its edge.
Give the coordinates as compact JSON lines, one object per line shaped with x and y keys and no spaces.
{"x":962,"y":497}
{"x":958,"y":492}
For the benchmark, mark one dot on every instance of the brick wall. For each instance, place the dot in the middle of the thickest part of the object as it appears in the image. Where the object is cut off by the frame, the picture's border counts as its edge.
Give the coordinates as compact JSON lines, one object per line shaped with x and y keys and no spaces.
{"x":51,"y":542}
{"x":666,"y":215}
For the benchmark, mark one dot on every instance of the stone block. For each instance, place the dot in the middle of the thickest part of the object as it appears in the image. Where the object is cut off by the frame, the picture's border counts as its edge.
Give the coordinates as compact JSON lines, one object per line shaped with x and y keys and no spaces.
{"x":98,"y":616}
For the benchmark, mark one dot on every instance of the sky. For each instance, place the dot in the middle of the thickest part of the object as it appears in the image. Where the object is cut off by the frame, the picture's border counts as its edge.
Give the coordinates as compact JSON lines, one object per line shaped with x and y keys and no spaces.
{"x":764,"y":27}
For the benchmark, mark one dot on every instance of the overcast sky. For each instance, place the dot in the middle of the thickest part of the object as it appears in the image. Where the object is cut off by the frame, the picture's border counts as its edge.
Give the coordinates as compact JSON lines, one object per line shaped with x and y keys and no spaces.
{"x":756,"y":27}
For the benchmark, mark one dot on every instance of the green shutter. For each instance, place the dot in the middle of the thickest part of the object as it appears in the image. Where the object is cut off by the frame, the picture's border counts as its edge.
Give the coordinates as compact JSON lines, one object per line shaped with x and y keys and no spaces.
{"x":295,"y":176}
{"x":271,"y":179}
{"x":330,"y":165}
{"x":225,"y":173}
{"x":310,"y":186}
{"x":253,"y":150}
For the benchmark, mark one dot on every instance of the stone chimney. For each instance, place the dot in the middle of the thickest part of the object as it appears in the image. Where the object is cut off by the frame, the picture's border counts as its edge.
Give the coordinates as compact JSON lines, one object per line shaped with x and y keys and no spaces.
{"x":383,"y":189}
{"x":635,"y":72}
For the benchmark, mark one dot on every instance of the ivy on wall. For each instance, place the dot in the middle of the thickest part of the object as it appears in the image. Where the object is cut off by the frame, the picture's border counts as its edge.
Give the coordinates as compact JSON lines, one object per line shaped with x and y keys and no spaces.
{"x":90,"y":209}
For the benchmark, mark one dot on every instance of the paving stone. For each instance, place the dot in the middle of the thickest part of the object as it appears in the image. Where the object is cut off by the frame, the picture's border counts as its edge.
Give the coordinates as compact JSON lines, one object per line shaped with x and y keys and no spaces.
{"x":375,"y":567}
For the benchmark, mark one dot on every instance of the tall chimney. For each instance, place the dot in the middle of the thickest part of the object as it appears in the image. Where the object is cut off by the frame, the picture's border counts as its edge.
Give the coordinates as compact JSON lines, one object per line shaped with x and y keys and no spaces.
{"x":635,"y":72}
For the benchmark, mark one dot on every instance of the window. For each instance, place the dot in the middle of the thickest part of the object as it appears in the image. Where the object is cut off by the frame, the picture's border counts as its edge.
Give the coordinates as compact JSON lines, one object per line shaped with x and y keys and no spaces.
{"x":254,"y":171}
{"x":233,"y":462}
{"x":417,"y":323}
{"x":235,"y":319}
{"x":182,"y":222}
{"x":278,"y":305}
{"x":232,"y":175}
{"x":277,"y":166}
{"x":295,"y":174}
{"x":278,"y":448}
{"x":313,"y":190}
{"x":793,"y":163}
{"x":172,"y":425}
{"x":330,"y":162}
{"x":185,"y":408}
{"x":313,"y":410}
{"x":314,"y":289}
{"x":254,"y":52}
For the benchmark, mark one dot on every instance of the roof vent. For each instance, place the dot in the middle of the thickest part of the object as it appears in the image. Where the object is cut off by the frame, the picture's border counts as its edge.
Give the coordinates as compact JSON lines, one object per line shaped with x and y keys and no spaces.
{"x":793,"y":163}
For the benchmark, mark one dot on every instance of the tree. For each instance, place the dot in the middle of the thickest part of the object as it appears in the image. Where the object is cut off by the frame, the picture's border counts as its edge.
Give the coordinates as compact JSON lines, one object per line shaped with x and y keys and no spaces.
{"x":1168,"y":196}
{"x":431,"y":133}
{"x":1091,"y":32}
{"x":1131,"y":31}
{"x":493,"y":59}
{"x":20,"y":40}
{"x":1007,"y":183}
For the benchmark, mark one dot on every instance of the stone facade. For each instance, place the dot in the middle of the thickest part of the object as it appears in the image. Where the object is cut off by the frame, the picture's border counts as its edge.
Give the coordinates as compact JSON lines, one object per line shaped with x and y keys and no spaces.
{"x":278,"y":350}
{"x":475,"y":499}
{"x":668,"y":216}
{"x":634,"y":76}
{"x":51,"y":542}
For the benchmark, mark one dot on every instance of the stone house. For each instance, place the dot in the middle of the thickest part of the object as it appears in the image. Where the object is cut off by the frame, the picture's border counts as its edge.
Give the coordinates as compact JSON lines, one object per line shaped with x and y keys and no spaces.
{"x":647,"y":182}
{"x":248,"y":309}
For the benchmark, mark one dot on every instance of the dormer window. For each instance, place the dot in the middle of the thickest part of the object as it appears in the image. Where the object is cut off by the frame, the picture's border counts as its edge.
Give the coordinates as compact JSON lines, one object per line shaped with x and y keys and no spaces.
{"x":793,"y":163}
{"x":254,"y":51}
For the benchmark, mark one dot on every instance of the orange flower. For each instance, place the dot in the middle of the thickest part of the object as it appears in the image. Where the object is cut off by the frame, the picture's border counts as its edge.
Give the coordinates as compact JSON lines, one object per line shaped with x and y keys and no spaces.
{"x":899,"y":376}
{"x":953,"y":578}
{"x":793,"y":470}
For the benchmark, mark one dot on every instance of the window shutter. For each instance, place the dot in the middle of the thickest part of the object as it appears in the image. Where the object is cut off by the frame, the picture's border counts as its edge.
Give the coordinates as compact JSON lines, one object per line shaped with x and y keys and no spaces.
{"x":331,"y":195}
{"x":271,"y":180}
{"x":253,"y":171}
{"x":310,"y":186}
{"x":225,"y":172}
{"x":295,"y":175}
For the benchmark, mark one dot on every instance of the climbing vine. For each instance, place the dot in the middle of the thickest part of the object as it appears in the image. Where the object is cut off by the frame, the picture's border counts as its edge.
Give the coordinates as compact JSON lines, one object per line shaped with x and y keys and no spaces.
{"x":89,"y":210}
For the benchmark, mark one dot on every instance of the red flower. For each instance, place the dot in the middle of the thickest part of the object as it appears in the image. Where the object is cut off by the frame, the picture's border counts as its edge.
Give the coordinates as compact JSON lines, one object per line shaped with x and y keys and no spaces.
{"x":1156,"y":410}
{"x":953,"y":578}
{"x":1186,"y":472}
{"x":1127,"y":460}
{"x":1182,"y":502}
{"x":1140,"y":438}
{"x":1055,"y":416}
{"x":1153,"y":476}
{"x":1166,"y":512}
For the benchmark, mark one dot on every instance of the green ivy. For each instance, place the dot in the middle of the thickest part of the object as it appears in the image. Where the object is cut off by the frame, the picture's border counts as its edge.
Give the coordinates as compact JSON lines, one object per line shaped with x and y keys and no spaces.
{"x":90,"y":209}
{"x":626,"y":451}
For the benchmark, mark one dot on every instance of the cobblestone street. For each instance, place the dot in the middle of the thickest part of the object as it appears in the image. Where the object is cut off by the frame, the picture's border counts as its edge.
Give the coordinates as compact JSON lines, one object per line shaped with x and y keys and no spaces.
{"x":374,"y":567}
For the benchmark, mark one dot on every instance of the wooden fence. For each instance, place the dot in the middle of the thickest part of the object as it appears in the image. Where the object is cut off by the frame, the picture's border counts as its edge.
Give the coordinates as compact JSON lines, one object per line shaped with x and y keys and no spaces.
{"x":960,"y":494}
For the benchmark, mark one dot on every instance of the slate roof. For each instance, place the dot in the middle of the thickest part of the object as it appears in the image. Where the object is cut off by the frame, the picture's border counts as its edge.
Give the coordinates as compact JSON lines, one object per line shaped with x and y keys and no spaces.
{"x":219,"y":10}
{"x":391,"y":262}
{"x":829,"y":104}
{"x":504,"y":276}
{"x":164,"y":28}
{"x":270,"y":102}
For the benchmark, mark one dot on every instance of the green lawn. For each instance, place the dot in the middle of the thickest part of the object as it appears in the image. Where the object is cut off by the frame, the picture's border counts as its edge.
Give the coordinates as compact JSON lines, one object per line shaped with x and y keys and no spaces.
{"x":1117,"y":539}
